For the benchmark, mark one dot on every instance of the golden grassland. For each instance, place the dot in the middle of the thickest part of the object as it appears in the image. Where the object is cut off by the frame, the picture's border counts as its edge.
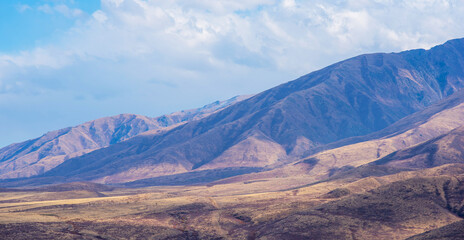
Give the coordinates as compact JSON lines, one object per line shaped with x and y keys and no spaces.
{"x":394,"y":206}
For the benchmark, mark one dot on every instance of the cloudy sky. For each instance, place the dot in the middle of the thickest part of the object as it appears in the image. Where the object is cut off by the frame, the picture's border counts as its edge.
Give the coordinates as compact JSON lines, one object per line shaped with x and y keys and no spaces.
{"x":64,"y":62}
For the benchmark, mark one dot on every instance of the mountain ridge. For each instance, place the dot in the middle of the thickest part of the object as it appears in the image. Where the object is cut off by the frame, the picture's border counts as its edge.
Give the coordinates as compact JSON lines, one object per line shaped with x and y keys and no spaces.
{"x":41,"y":154}
{"x":390,"y":165}
{"x":350,"y":98}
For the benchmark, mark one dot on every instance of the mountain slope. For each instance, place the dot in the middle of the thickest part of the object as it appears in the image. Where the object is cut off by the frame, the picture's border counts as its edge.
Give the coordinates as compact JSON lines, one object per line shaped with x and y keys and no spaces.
{"x":445,"y":149}
{"x":444,"y":154}
{"x":39,"y":155}
{"x":44,"y":153}
{"x":449,"y":232}
{"x":354,"y":97}
{"x":436,"y":120}
{"x":432,"y":122}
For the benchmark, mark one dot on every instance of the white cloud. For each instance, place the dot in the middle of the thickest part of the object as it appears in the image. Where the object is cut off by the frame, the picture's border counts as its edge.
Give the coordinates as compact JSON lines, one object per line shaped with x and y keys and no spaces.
{"x":100,"y":16}
{"x":209,"y":50}
{"x":61,"y":9}
{"x":45,"y":8}
{"x":39,"y":57}
{"x":294,"y":37}
{"x":23,"y":7}
{"x":288,"y":3}
{"x":68,"y":12}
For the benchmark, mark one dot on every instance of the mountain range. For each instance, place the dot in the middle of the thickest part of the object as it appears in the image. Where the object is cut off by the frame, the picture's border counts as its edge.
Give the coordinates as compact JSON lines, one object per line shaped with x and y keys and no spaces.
{"x":39,"y":155}
{"x":370,"y":147}
{"x":355,"y":97}
{"x":354,"y":100}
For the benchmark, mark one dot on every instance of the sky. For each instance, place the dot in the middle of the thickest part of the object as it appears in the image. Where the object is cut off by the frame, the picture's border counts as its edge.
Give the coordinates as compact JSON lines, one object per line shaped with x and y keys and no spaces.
{"x":65,"y":62}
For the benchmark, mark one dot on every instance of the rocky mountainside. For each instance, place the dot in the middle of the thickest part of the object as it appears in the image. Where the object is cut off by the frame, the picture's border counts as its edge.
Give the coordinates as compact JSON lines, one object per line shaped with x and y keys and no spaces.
{"x":444,"y":150}
{"x":39,"y":155}
{"x":442,"y":155}
{"x":351,"y":98}
{"x":434,"y":121}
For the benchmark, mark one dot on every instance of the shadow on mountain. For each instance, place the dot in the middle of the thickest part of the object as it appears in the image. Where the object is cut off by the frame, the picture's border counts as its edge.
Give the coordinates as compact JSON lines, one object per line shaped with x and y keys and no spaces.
{"x":191,"y":178}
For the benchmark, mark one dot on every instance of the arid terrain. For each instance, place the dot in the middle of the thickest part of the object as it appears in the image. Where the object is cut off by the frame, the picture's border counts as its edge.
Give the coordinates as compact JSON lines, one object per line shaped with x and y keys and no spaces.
{"x":395,"y":206}
{"x":368,"y":148}
{"x":413,"y":193}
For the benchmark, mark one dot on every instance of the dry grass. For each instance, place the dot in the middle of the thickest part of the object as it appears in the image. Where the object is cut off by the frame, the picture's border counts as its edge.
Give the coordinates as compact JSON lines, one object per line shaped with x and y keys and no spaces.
{"x":371,"y":207}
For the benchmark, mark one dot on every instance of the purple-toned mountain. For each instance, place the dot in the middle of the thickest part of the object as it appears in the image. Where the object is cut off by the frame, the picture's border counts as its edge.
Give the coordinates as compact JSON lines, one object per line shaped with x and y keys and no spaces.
{"x":39,"y":155}
{"x":354,"y":97}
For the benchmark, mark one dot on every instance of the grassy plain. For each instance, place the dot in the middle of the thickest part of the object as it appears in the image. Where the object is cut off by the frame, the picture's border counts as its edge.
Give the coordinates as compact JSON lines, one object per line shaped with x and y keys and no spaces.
{"x":395,"y":206}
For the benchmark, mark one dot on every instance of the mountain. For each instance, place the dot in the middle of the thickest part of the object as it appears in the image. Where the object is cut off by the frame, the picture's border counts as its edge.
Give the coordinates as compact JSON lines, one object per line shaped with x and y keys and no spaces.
{"x":351,"y":98}
{"x":434,"y":121}
{"x":398,"y":181}
{"x":441,"y":155}
{"x":445,"y":149}
{"x":39,"y":155}
{"x":197,"y":113}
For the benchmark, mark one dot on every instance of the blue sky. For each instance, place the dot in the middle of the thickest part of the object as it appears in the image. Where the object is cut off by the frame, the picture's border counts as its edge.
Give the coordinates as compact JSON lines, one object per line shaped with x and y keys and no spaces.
{"x":64,"y":62}
{"x":28,"y":24}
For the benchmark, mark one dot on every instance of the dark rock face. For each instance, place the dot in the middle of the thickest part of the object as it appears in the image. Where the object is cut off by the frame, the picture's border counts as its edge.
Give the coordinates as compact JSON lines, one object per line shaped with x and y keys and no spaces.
{"x":350,"y":98}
